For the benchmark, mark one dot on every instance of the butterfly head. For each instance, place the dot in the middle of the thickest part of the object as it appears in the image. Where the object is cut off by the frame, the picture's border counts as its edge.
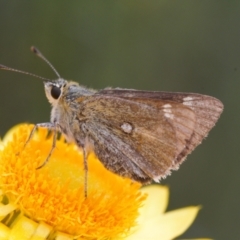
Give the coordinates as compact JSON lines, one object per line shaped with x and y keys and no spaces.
{"x":64,"y":91}
{"x":55,"y":89}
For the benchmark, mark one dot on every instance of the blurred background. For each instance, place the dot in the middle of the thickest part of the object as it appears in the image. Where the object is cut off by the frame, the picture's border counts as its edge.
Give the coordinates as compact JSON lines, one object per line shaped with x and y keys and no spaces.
{"x":184,"y":46}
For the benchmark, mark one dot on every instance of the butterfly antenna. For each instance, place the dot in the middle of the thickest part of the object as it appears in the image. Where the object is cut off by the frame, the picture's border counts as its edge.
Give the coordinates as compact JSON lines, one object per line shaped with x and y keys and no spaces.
{"x":39,"y":54}
{"x":2,"y":67}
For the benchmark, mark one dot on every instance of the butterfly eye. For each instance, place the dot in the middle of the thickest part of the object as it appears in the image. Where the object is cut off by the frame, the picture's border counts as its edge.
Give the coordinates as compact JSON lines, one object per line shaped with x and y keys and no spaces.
{"x":55,"y":92}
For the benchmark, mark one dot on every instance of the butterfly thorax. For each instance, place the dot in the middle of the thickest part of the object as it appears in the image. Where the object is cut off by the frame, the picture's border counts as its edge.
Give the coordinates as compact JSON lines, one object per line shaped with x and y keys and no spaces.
{"x":63,"y":97}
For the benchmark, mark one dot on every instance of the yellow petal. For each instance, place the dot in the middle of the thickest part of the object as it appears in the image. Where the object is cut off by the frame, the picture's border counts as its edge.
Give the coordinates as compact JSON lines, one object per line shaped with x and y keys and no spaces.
{"x":156,"y":202}
{"x":4,"y":232}
{"x":167,"y":226}
{"x":42,"y":232}
{"x":23,"y":229}
{"x":6,"y":209}
{"x":9,"y":135}
{"x":179,"y":220}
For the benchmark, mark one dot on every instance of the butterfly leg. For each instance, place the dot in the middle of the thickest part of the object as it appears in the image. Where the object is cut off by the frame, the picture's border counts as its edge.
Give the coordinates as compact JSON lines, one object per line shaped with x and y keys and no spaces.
{"x":85,"y":164}
{"x":82,"y":143}
{"x":50,"y":126}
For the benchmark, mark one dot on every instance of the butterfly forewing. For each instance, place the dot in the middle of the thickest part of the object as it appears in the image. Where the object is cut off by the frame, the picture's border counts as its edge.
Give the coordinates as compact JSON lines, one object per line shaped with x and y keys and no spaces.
{"x":207,"y":111}
{"x":143,"y":135}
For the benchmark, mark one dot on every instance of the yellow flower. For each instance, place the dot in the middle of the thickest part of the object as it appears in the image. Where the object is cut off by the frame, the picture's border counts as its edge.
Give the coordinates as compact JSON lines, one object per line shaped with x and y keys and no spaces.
{"x":49,"y":203}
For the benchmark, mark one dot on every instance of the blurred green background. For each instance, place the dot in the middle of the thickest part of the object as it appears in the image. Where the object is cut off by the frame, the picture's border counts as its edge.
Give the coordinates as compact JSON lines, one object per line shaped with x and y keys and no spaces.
{"x":187,"y":46}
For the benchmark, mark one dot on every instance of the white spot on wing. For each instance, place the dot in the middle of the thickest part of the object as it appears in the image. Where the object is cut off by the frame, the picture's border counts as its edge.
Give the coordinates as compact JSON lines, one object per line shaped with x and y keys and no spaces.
{"x":167,"y":105}
{"x":168,"y":111}
{"x":168,"y":115}
{"x":126,"y":127}
{"x":187,"y":101}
